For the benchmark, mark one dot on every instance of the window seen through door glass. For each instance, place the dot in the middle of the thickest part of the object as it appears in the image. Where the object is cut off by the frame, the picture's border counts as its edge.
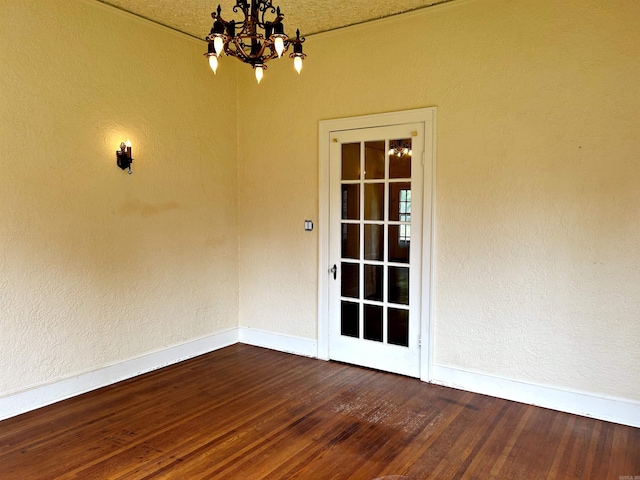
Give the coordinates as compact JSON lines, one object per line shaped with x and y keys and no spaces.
{"x":400,"y":201}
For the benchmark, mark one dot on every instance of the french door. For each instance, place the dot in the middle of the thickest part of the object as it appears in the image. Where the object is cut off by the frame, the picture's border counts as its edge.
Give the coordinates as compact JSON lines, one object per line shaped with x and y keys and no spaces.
{"x":375,"y":246}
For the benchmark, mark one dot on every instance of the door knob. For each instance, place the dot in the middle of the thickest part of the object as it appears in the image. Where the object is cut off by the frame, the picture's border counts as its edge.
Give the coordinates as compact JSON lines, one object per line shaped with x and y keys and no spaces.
{"x":334,"y":270}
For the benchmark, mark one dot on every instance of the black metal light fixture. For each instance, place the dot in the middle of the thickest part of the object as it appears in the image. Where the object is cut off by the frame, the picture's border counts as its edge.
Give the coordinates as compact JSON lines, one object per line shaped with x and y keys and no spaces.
{"x":123,"y":156}
{"x":257,"y":39}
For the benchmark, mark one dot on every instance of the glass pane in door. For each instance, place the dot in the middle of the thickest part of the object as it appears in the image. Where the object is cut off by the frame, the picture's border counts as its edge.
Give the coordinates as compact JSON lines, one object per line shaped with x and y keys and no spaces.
{"x":400,"y":201}
{"x":350,"y":240}
{"x":398,"y":332}
{"x":350,"y":319}
{"x":350,"y":280}
{"x":400,"y":154}
{"x":373,"y":278}
{"x":399,"y":285}
{"x":374,"y":242}
{"x":373,"y":323}
{"x":374,"y":201}
{"x":374,"y":159}
{"x":399,"y":242}
{"x":350,"y":201}
{"x":351,"y":161}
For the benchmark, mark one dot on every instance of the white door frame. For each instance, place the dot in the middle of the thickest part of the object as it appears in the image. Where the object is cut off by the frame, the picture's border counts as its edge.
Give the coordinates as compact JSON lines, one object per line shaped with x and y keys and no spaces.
{"x":427,"y":116}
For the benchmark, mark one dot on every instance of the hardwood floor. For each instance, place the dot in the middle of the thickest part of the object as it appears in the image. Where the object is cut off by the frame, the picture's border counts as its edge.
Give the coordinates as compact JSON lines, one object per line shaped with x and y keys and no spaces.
{"x":249,"y":413}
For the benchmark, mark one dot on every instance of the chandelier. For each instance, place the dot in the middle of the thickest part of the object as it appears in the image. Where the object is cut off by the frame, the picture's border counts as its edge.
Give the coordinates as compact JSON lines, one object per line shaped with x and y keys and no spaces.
{"x":398,"y":148}
{"x":257,"y":39}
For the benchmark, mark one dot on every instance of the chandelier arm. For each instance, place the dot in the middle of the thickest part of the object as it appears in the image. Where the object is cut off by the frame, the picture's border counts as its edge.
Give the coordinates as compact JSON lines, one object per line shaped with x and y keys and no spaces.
{"x":239,"y":50}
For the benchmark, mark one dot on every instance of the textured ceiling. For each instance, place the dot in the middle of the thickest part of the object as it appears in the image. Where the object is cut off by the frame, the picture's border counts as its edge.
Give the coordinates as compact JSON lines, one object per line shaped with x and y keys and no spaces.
{"x":193,"y":17}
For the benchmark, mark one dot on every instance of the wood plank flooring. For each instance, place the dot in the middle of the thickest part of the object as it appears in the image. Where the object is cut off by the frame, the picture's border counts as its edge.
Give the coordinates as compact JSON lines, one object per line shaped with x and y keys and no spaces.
{"x":249,"y":413}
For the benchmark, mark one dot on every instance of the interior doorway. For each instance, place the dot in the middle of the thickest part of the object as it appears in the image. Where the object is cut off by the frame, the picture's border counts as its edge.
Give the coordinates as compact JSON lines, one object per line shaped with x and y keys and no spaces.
{"x":375,"y":241}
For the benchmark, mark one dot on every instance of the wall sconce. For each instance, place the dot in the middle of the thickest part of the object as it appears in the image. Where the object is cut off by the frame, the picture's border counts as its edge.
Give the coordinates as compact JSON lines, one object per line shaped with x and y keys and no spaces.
{"x":123,"y":156}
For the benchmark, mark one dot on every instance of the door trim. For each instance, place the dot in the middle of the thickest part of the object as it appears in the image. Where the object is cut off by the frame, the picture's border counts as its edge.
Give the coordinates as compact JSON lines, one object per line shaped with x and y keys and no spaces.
{"x":427,"y":116}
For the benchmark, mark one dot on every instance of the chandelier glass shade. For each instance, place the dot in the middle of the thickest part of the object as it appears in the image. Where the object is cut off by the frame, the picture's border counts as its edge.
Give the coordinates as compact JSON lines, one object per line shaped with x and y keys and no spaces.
{"x":260,"y":37}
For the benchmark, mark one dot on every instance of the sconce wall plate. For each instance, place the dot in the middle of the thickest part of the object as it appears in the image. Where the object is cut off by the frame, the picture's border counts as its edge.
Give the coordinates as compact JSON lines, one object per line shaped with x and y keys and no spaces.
{"x":123,"y":156}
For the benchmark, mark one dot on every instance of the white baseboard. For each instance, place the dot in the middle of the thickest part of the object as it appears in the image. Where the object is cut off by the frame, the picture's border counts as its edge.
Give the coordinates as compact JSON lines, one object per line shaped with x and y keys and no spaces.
{"x":275,"y":341}
{"x":610,"y":409}
{"x":34,"y":398}
{"x":617,"y":410}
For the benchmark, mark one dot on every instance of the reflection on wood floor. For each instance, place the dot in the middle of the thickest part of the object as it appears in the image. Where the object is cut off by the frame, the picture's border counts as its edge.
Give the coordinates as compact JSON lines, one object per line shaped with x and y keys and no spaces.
{"x":249,"y":413}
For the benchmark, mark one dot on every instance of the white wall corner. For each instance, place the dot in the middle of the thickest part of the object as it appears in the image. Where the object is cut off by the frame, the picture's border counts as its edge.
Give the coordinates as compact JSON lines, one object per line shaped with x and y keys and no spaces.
{"x":38,"y":397}
{"x":275,"y":341}
{"x":610,"y":409}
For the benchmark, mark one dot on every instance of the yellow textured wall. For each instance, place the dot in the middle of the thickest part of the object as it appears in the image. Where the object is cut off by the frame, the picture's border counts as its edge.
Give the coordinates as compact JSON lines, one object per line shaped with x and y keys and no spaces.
{"x":97,"y":266}
{"x":537,"y":269}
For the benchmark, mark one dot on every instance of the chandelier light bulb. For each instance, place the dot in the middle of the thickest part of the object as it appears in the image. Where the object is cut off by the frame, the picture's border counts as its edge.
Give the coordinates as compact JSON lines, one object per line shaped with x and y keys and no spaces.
{"x":297,"y":64}
{"x":278,"y":43}
{"x":259,"y":73}
{"x":213,"y":63}
{"x":218,"y":44}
